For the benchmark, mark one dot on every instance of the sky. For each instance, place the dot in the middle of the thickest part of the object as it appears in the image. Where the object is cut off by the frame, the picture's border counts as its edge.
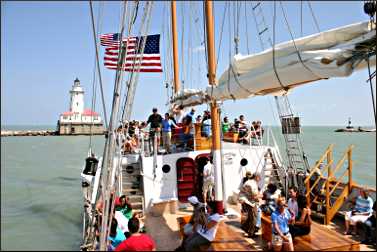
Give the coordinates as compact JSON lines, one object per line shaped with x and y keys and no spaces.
{"x":46,"y":45}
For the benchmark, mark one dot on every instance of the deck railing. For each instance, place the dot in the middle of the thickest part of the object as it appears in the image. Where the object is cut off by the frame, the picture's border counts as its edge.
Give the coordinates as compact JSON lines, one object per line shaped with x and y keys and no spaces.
{"x":331,"y":182}
{"x":196,"y":137}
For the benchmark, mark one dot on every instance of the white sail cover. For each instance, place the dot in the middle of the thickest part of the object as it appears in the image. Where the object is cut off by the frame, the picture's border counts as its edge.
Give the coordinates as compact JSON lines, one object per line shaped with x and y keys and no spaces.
{"x":333,"y":53}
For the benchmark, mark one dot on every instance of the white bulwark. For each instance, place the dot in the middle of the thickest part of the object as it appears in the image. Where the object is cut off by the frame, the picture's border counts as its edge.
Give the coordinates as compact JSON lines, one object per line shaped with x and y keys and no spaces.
{"x":78,"y":120}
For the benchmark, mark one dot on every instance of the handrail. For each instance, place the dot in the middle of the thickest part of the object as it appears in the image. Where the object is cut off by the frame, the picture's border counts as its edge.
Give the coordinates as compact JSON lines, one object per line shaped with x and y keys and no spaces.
{"x":329,"y":148}
{"x":339,"y":164}
{"x":339,"y":181}
{"x":319,"y":177}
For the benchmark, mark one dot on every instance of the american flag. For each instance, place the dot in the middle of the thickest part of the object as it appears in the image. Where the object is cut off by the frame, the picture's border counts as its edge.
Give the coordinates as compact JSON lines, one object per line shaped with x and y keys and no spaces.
{"x":149,"y":61}
{"x":110,"y":39}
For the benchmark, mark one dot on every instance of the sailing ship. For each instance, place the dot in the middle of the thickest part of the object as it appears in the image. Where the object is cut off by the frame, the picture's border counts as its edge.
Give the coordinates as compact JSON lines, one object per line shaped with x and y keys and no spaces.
{"x":157,"y":183}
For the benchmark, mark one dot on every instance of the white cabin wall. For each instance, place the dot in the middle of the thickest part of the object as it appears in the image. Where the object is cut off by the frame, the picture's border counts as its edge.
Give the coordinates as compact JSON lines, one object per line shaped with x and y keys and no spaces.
{"x":233,"y":171}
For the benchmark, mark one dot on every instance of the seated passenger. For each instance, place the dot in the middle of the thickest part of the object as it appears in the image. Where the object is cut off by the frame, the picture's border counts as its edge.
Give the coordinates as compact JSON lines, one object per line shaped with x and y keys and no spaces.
{"x":196,"y":204}
{"x":122,"y":205}
{"x":225,"y":126}
{"x":280,"y":219}
{"x":204,"y":230}
{"x":360,"y":213}
{"x":270,"y":197}
{"x":137,"y":241}
{"x":303,"y":220}
{"x":370,"y":228}
{"x":243,"y":128}
{"x":116,"y":235}
{"x":206,"y":124}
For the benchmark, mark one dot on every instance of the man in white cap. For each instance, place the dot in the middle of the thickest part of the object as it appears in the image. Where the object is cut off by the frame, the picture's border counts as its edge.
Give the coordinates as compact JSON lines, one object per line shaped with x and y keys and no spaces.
{"x":196,"y":204}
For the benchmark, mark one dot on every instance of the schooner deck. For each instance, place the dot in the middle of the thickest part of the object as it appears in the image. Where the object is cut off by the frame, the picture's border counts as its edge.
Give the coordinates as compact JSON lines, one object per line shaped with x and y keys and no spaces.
{"x":165,"y":231}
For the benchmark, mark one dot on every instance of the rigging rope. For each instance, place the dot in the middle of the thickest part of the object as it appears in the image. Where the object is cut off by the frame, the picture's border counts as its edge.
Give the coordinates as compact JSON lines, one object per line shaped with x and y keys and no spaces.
{"x":294,"y":43}
{"x":98,"y":65}
{"x":314,"y":18}
{"x":372,"y":92}
{"x":247,"y":30}
{"x":94,"y":82}
{"x":273,"y":49}
{"x":301,"y":25}
{"x":221,"y":36}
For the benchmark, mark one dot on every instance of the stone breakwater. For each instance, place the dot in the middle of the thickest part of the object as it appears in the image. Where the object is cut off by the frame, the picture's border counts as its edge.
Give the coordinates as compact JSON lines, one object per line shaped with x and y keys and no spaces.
{"x":28,"y":133}
{"x":6,"y":133}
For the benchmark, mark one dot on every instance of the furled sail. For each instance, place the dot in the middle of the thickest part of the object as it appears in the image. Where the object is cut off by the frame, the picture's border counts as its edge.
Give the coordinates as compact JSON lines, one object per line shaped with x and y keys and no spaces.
{"x":333,"y":53}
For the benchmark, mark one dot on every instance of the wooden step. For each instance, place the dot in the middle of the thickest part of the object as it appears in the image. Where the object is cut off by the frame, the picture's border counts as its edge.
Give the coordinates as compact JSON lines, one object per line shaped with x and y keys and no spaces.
{"x":137,"y":206}
{"x":130,"y":192}
{"x":135,"y":198}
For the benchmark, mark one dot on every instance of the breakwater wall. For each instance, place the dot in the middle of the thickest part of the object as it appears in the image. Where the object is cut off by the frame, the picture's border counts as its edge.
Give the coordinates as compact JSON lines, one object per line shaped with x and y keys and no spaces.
{"x":6,"y":133}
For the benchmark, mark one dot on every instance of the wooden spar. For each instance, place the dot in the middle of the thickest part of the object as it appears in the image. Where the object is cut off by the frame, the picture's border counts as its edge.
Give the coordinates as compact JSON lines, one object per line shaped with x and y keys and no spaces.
{"x":214,"y":109}
{"x":175,"y":46}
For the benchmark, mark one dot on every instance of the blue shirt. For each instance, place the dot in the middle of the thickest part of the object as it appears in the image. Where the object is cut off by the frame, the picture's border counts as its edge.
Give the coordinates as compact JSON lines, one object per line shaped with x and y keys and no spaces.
{"x":364,"y":204}
{"x":281,"y":220}
{"x":166,"y":125}
{"x":115,"y":241}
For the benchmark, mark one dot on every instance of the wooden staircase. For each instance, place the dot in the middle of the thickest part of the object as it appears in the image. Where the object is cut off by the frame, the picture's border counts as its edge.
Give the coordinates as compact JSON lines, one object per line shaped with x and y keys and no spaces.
{"x":272,"y":172}
{"x":326,"y":193}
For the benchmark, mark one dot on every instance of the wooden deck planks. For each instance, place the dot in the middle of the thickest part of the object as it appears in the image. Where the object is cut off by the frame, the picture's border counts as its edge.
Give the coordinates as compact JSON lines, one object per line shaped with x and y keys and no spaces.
{"x":320,"y":238}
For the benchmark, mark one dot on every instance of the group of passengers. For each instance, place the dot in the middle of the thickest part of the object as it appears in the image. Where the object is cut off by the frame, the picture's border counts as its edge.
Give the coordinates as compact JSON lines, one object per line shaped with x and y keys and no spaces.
{"x":293,"y":219}
{"x":127,"y":232}
{"x":177,"y":129}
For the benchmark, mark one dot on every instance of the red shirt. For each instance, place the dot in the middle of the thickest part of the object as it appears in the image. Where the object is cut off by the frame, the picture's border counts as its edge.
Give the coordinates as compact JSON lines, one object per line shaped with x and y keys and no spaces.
{"x":136,"y":243}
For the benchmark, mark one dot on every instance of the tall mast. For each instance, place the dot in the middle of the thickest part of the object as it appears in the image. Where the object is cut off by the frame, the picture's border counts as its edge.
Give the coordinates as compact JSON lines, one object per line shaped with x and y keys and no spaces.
{"x":214,"y":108}
{"x":175,"y":46}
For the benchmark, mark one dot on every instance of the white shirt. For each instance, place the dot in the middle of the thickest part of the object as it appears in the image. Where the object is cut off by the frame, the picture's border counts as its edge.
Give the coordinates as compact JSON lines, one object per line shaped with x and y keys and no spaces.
{"x":208,"y":173}
{"x":292,"y":205}
{"x":179,"y":116}
{"x":122,"y":221}
{"x":209,"y":234}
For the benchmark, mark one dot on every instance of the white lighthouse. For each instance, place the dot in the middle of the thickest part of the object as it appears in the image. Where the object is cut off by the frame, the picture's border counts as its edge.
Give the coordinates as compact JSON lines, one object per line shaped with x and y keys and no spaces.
{"x":78,"y":120}
{"x":77,"y":98}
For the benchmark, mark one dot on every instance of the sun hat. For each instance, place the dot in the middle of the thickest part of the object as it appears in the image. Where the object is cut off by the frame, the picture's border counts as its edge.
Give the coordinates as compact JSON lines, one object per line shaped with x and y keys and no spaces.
{"x":193,"y":200}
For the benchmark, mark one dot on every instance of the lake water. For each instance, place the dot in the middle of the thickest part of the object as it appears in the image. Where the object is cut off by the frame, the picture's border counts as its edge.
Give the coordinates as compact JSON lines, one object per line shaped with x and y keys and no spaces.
{"x":41,"y":200}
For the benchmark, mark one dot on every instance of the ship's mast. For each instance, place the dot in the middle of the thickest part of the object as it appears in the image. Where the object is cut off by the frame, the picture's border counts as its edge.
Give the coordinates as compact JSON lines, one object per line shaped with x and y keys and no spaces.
{"x":175,"y":46}
{"x":214,"y":108}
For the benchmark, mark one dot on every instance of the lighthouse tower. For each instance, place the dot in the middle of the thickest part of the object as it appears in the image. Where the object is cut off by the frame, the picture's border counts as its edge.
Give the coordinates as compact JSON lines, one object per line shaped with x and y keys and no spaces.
{"x":78,"y":120}
{"x":77,"y":98}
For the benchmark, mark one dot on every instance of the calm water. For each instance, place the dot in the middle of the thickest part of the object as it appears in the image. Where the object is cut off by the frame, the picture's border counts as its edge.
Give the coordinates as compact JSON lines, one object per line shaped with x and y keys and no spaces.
{"x":41,"y":189}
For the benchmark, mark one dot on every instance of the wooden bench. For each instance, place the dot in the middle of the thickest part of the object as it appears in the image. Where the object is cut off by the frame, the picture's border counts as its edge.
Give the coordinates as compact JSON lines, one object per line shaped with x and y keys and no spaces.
{"x":226,"y":238}
{"x":230,"y":137}
{"x":320,"y":238}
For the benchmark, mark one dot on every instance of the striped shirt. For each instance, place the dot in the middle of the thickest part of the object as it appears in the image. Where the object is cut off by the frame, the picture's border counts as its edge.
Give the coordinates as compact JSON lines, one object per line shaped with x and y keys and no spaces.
{"x":364,"y":205}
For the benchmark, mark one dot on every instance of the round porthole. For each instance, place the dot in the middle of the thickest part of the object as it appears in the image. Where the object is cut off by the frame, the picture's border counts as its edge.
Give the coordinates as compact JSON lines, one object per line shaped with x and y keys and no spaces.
{"x":243,"y":162}
{"x":166,"y":168}
{"x":130,"y":169}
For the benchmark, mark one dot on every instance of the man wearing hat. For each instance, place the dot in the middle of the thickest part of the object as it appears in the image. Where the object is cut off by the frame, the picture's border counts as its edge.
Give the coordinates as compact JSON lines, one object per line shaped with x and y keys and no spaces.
{"x":196,"y":204}
{"x":249,"y":204}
